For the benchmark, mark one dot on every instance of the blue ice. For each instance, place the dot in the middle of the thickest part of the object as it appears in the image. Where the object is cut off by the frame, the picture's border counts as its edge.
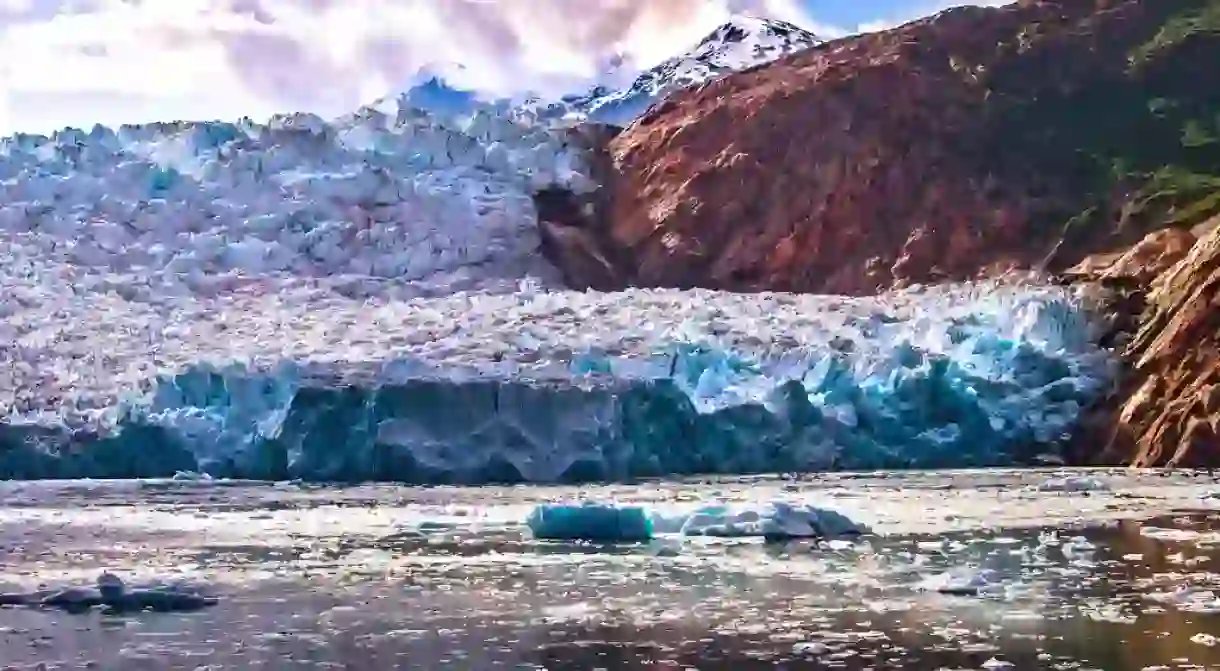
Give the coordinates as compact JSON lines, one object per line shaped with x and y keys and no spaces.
{"x":590,"y":522}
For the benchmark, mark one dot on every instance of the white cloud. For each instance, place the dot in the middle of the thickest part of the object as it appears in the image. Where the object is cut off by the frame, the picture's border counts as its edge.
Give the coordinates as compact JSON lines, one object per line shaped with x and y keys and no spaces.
{"x":71,"y":62}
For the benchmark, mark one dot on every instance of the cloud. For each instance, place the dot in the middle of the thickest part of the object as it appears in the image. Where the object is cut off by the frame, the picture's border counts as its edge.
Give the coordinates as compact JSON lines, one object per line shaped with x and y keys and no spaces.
{"x":70,"y":62}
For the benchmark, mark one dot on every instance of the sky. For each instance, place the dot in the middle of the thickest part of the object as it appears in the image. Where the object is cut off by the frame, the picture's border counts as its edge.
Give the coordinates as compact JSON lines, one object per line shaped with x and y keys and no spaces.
{"x":77,"y":62}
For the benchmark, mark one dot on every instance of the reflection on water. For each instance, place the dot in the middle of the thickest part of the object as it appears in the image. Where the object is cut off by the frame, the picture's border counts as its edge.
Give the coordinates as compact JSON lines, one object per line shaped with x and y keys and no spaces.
{"x":1124,"y":596}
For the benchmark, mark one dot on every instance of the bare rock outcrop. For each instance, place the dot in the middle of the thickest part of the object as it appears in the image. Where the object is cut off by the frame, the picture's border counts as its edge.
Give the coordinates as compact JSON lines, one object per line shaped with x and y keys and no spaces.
{"x":1169,"y":408}
{"x":573,"y":226}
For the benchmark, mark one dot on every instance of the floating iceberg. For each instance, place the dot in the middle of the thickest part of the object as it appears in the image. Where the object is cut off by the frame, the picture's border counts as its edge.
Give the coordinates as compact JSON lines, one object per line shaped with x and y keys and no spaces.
{"x":1073,"y":484}
{"x":623,"y":524}
{"x":775,"y":521}
{"x":590,"y":522}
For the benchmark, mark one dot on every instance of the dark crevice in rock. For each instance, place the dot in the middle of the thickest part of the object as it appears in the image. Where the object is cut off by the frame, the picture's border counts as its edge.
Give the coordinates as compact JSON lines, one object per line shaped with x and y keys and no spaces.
{"x":574,"y":227}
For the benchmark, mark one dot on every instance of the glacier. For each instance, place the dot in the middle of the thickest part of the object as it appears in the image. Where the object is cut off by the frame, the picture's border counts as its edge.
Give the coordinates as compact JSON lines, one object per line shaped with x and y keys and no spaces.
{"x":546,"y":386}
{"x":365,"y":298}
{"x":428,"y":203}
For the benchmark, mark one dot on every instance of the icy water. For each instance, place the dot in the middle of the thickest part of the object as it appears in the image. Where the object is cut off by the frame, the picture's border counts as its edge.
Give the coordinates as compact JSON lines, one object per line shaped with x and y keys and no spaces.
{"x":384,"y":577}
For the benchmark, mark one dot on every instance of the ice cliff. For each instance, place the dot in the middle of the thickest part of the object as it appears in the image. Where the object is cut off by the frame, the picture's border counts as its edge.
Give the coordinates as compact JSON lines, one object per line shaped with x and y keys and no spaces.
{"x":541,"y":386}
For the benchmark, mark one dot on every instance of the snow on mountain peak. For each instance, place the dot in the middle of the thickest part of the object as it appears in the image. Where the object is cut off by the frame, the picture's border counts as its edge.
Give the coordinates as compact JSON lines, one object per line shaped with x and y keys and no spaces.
{"x":742,"y":42}
{"x":763,"y":40}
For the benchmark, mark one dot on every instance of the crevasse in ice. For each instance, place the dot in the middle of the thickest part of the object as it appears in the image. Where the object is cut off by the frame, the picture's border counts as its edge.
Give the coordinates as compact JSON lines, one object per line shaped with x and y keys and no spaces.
{"x":547,"y":386}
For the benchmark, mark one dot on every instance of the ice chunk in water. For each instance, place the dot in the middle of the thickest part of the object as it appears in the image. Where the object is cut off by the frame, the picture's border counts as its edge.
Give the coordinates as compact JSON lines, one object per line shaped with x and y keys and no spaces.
{"x":590,"y":522}
{"x":777,"y":520}
{"x":966,"y":582}
{"x":1073,"y":484}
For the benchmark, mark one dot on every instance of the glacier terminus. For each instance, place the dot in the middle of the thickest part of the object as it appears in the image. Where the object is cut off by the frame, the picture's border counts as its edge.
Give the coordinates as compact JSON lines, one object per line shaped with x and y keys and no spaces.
{"x":365,"y":298}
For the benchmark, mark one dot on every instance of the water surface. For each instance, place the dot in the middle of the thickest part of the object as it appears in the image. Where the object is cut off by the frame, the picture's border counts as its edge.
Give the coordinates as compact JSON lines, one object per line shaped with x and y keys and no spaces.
{"x":380,"y":577}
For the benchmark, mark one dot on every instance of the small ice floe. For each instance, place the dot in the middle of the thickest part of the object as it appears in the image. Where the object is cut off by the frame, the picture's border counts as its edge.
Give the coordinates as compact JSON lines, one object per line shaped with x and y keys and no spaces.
{"x":1163,"y":534}
{"x":603,"y":523}
{"x":810,"y":648}
{"x":1189,"y":599}
{"x":776,"y":521}
{"x":113,"y":595}
{"x":1112,"y":612}
{"x":966,"y":582}
{"x":192,"y":476}
{"x":1074,"y":484}
{"x":1078,"y":549}
{"x":1205,"y":639}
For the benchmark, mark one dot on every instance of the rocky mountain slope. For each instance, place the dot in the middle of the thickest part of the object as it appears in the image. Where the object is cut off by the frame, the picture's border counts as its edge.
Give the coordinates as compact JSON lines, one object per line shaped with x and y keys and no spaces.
{"x":974,"y":141}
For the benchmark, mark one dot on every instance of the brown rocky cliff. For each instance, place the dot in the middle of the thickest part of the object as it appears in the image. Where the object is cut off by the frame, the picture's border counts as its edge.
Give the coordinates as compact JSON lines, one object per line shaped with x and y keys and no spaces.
{"x":950,"y":147}
{"x":1167,"y":412}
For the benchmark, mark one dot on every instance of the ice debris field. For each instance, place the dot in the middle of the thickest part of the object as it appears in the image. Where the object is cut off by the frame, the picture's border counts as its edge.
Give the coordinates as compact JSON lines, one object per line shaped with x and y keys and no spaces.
{"x":366,"y":299}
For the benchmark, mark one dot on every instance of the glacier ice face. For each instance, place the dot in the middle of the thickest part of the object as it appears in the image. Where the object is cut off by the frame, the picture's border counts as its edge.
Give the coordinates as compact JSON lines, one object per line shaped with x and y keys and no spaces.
{"x":539,"y":386}
{"x":405,"y":201}
{"x":364,"y":298}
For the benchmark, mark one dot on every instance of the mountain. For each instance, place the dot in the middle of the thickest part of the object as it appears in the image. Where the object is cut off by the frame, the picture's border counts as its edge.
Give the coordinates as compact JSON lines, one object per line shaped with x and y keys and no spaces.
{"x":742,"y":42}
{"x":430,"y":92}
{"x":437,"y":95}
{"x":976,"y":139}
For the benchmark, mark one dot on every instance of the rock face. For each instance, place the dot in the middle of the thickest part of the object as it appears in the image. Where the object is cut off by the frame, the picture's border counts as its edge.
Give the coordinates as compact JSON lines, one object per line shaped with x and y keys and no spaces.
{"x":1168,"y":411}
{"x":971,"y":142}
{"x":571,"y":225}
